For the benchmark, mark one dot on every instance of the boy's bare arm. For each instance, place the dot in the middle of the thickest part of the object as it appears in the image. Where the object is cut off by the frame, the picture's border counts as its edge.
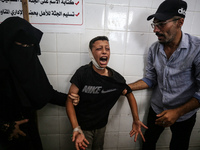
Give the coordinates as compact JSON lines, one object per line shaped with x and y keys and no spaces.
{"x":78,"y":137}
{"x":133,"y":106}
{"x":70,"y":108}
{"x":137,"y":124}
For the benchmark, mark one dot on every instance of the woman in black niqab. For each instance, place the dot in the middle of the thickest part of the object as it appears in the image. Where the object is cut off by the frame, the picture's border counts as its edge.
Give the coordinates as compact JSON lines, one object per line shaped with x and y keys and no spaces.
{"x":24,"y":86}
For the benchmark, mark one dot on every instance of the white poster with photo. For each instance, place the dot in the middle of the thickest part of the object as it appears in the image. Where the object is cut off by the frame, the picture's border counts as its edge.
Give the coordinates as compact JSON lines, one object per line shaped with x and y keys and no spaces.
{"x":48,"y":15}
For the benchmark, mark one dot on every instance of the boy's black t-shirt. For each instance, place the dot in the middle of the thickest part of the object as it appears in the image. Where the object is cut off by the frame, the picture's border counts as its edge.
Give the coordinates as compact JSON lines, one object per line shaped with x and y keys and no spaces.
{"x":98,"y":94}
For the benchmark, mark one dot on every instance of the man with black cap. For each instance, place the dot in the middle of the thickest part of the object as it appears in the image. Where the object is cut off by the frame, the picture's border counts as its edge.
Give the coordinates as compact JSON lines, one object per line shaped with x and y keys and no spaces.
{"x":173,"y":71}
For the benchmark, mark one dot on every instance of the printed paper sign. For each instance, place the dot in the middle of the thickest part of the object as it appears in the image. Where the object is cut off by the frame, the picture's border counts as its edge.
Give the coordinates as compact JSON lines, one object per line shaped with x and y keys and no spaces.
{"x":48,"y":15}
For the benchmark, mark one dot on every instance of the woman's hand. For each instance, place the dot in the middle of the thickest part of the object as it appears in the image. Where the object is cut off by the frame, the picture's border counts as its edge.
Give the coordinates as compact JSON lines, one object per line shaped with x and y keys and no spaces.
{"x":75,"y":98}
{"x":17,"y":131}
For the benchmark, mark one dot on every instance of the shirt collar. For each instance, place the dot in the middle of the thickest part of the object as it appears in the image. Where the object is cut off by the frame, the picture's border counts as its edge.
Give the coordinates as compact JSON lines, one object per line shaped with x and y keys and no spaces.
{"x":183,"y":44}
{"x":184,"y":41}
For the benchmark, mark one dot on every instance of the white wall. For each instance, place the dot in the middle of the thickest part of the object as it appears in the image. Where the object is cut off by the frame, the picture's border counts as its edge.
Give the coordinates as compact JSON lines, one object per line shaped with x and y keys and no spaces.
{"x":124,"y":22}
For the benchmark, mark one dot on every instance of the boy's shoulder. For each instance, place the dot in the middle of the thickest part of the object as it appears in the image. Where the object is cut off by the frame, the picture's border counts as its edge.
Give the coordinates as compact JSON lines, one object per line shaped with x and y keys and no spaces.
{"x":116,"y":75}
{"x":84,"y":67}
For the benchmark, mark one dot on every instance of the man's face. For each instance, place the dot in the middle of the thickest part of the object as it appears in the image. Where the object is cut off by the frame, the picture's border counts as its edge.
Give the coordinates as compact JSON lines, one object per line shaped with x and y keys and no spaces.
{"x":166,"y":31}
{"x":101,"y":52}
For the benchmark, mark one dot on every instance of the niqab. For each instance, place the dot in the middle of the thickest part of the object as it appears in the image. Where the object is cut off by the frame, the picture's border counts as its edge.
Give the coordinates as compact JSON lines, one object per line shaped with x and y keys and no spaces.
{"x":22,"y":63}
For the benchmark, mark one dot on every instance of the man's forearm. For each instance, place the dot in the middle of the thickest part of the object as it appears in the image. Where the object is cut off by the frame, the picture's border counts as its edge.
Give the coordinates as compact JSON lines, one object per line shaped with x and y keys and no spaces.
{"x":189,"y":106}
{"x":138,"y":85}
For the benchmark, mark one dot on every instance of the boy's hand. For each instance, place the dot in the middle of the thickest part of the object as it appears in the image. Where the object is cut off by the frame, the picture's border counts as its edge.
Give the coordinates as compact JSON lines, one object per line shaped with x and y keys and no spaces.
{"x":80,"y":141}
{"x":136,"y":128}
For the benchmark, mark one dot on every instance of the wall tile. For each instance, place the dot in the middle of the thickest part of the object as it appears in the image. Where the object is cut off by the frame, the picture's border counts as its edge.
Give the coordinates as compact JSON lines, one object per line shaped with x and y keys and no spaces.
{"x":116,"y":17}
{"x":85,"y":58}
{"x":117,"y":2}
{"x":193,"y":140}
{"x":187,"y":26}
{"x":50,"y":141}
{"x":116,"y":110}
{"x":117,"y":41}
{"x":156,"y":4}
{"x":111,"y":137}
{"x":126,"y":121}
{"x":68,"y":43}
{"x":48,"y":42}
{"x":197,"y":121}
{"x":195,"y":26}
{"x":137,"y":43}
{"x":96,"y":1}
{"x":134,"y":65}
{"x":48,"y":110}
{"x":197,"y":8}
{"x":66,"y":142}
{"x":194,"y":147}
{"x":65,"y":126}
{"x":151,"y":39}
{"x":117,"y":63}
{"x":62,"y":111}
{"x":125,"y":140}
{"x":113,"y":123}
{"x":64,"y":83}
{"x":65,"y":62}
{"x":191,"y":5}
{"x":143,"y":104}
{"x":53,"y":81}
{"x":48,"y":124}
{"x":49,"y":62}
{"x":141,"y":3}
{"x":123,"y":107}
{"x":94,"y":20}
{"x":138,"y":19}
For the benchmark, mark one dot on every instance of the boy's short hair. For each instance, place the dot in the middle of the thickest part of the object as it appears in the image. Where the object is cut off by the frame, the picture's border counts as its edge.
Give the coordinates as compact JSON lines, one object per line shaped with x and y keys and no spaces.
{"x":96,"y":39}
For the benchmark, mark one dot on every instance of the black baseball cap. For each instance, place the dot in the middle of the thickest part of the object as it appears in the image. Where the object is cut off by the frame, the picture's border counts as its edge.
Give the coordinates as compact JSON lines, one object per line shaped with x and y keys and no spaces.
{"x":169,"y":9}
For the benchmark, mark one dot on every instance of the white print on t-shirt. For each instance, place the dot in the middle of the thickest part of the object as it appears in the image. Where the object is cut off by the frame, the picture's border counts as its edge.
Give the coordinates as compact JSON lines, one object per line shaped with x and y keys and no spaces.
{"x":108,"y":91}
{"x":92,"y":89}
{"x":96,"y":90}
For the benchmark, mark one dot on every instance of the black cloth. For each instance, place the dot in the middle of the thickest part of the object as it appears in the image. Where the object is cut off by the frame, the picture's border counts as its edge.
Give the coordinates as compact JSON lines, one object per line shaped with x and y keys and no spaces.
{"x":22,"y":63}
{"x":24,"y":86}
{"x":98,"y":94}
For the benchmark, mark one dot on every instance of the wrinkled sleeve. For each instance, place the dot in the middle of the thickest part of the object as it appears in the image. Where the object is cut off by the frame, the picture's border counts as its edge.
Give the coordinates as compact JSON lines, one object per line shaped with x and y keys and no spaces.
{"x":150,"y":77}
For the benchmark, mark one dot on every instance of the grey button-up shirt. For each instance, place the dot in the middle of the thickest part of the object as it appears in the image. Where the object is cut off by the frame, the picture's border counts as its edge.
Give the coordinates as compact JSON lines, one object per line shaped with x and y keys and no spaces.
{"x":177,"y":79}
